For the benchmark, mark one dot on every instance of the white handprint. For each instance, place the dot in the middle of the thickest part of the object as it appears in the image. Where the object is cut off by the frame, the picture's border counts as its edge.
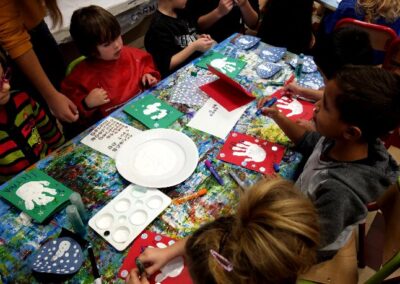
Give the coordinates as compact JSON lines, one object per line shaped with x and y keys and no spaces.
{"x":172,"y":269}
{"x":154,"y":108}
{"x":33,"y":192}
{"x":291,"y":104}
{"x":253,"y":152}
{"x":62,"y":248}
{"x":223,"y":65}
{"x":243,"y":41}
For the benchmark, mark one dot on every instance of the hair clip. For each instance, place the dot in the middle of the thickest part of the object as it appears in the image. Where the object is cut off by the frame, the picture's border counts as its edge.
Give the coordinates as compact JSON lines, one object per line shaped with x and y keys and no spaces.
{"x":225,"y":264}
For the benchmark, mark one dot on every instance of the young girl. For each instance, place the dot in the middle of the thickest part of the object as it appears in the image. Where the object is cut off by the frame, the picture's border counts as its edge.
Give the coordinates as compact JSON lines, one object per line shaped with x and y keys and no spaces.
{"x":112,"y":73}
{"x":271,"y":239}
{"x":27,"y":134}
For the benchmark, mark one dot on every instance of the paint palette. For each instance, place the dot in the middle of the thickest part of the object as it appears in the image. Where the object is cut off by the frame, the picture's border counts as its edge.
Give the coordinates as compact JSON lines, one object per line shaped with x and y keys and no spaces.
{"x":62,"y":256}
{"x":128,"y":214}
{"x":267,"y":70}
{"x":246,"y":41}
{"x":308,"y":64}
{"x":272,"y":53}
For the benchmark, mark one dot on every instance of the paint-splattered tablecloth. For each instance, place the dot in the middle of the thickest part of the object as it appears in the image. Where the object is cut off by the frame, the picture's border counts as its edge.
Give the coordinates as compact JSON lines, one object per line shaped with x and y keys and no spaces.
{"x":95,"y":176}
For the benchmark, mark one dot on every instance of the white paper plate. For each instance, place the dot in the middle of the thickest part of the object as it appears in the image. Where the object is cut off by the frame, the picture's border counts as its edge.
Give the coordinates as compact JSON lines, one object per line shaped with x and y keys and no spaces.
{"x":157,"y":158}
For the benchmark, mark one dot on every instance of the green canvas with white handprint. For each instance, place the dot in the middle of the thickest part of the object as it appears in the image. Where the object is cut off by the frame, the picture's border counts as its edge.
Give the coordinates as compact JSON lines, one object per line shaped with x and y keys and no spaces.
{"x":227,"y":65}
{"x":153,"y":112}
{"x":36,"y":194}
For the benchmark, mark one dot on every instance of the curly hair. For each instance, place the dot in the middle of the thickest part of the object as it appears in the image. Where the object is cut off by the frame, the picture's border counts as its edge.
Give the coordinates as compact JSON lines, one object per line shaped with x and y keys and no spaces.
{"x":374,"y":9}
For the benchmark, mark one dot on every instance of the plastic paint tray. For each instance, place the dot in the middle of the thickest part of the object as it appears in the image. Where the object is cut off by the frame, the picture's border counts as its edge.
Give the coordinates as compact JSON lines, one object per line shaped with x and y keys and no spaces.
{"x":128,"y":214}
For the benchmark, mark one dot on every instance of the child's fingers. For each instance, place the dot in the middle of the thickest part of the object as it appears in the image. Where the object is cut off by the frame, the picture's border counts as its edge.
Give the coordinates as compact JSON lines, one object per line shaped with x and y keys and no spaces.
{"x":261,"y":102}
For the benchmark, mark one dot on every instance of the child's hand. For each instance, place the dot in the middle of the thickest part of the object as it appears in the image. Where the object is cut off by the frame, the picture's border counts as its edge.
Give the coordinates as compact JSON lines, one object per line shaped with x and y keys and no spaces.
{"x":133,"y":278}
{"x":272,"y":111}
{"x":148,"y":80}
{"x":154,"y":258}
{"x":293,"y":89}
{"x":240,"y":3}
{"x":97,"y":97}
{"x":207,"y":36}
{"x":224,"y":7}
{"x":203,"y":44}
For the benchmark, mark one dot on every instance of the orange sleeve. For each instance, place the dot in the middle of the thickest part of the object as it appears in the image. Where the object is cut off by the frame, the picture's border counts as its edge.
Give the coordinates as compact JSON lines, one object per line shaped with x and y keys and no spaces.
{"x":14,"y":37}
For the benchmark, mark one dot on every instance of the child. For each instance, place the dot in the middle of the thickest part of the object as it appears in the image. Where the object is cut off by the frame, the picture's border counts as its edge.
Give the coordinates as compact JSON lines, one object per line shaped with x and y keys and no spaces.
{"x":172,"y":38}
{"x":222,"y":18}
{"x":272,"y":237}
{"x":112,"y":74}
{"x":287,"y":23}
{"x":344,"y":46}
{"x":347,"y":165}
{"x":27,"y":134}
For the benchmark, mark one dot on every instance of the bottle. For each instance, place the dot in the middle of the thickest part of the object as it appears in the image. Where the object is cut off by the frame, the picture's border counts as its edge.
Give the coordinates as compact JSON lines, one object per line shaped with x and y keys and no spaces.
{"x":299,"y":66}
{"x":76,"y":200}
{"x":75,"y":220}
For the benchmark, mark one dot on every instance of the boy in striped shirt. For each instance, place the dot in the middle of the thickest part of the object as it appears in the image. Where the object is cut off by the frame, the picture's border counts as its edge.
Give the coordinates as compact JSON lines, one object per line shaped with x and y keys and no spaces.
{"x":26,"y":132}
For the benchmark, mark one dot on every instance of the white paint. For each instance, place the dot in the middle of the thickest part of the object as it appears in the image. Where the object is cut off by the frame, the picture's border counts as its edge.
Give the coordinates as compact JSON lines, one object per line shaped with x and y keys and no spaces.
{"x":158,"y":113}
{"x":252,"y":152}
{"x":122,"y":205}
{"x":34,"y":192}
{"x":104,"y":221}
{"x":62,"y":248}
{"x":291,"y":104}
{"x":223,"y":65}
{"x":121,"y":235}
{"x":154,"y":202}
{"x":138,"y":217}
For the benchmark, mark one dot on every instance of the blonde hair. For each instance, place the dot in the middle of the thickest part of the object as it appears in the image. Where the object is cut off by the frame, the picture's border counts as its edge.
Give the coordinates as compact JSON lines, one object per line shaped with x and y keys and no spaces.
{"x":54,"y":12}
{"x":374,"y":9}
{"x":272,"y":238}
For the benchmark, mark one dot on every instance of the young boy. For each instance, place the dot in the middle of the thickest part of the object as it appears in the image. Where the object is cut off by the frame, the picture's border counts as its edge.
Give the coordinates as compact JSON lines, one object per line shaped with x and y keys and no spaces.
{"x":172,"y":37}
{"x":112,"y":73}
{"x":222,"y":18}
{"x":347,"y":165}
{"x":26,"y":132}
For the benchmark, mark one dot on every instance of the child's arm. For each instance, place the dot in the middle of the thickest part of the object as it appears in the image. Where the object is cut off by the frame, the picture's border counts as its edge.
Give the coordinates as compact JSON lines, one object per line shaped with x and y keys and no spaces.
{"x":296,"y":90}
{"x":291,"y":129}
{"x":96,"y":97}
{"x":202,"y":44}
{"x":207,"y":20}
{"x":155,"y":258}
{"x":250,"y":16}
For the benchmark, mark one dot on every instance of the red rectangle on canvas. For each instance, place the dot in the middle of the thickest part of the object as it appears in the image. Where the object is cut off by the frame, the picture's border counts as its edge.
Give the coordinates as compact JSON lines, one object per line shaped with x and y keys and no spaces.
{"x":251,"y":153}
{"x":227,"y":92}
{"x":174,"y":272}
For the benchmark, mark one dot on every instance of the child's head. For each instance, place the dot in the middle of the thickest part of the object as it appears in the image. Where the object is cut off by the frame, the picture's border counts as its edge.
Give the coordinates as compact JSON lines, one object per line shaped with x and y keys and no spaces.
{"x":96,"y":32}
{"x":374,"y":9}
{"x":174,"y":4}
{"x":4,"y":79}
{"x":272,"y":238}
{"x":344,"y":46}
{"x":360,"y":103}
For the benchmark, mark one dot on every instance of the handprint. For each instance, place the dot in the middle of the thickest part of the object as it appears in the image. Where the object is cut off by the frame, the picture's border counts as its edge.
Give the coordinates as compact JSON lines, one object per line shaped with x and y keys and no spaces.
{"x":223,"y":65}
{"x":293,"y":105}
{"x":172,"y":269}
{"x":33,"y":192}
{"x":154,"y":108}
{"x":253,"y":152}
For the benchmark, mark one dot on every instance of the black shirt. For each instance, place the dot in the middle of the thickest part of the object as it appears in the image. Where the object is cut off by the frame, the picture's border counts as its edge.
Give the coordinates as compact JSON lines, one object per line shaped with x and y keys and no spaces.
{"x":224,"y":27}
{"x":167,"y":36}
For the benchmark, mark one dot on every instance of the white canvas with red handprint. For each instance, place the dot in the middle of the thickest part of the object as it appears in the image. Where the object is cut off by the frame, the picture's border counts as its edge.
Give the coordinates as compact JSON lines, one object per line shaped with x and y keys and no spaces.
{"x":251,"y":153}
{"x":174,"y":271}
{"x":293,"y":108}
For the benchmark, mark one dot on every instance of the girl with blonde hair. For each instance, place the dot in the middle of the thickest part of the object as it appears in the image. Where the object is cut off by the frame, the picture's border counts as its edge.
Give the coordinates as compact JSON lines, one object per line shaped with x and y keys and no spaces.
{"x":271,"y":239}
{"x":381,"y":12}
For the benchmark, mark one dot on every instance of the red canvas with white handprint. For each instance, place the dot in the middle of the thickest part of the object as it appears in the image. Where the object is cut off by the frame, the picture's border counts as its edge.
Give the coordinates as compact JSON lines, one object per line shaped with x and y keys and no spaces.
{"x":293,"y":108}
{"x":251,"y":153}
{"x":174,"y":271}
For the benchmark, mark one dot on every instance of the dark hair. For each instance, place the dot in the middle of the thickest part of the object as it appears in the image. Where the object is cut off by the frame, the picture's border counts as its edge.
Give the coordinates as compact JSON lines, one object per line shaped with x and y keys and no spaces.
{"x":368,"y":98}
{"x":92,"y":26}
{"x":3,"y":59}
{"x":272,"y":238}
{"x":344,"y":46}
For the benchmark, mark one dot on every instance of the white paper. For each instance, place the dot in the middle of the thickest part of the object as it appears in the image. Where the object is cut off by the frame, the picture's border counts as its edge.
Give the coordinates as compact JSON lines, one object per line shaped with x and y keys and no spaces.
{"x":109,"y":136}
{"x":214,"y":119}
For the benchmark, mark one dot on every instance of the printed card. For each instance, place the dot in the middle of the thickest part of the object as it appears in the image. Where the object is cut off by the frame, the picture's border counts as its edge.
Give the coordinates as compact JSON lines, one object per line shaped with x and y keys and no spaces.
{"x":36,"y":194}
{"x":251,"y":153}
{"x":293,"y":108}
{"x":212,"y":118}
{"x":174,"y":271}
{"x":188,"y":91}
{"x":109,"y":136}
{"x":153,"y":112}
{"x":227,"y":65}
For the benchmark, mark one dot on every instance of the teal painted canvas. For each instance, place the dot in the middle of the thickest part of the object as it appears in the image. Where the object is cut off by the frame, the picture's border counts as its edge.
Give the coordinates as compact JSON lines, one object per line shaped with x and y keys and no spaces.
{"x":153,"y":112}
{"x":36,"y":194}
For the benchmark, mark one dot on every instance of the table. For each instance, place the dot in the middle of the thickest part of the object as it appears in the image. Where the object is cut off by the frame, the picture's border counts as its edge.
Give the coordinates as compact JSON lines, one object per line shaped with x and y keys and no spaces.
{"x":129,"y":14}
{"x":95,"y":177}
